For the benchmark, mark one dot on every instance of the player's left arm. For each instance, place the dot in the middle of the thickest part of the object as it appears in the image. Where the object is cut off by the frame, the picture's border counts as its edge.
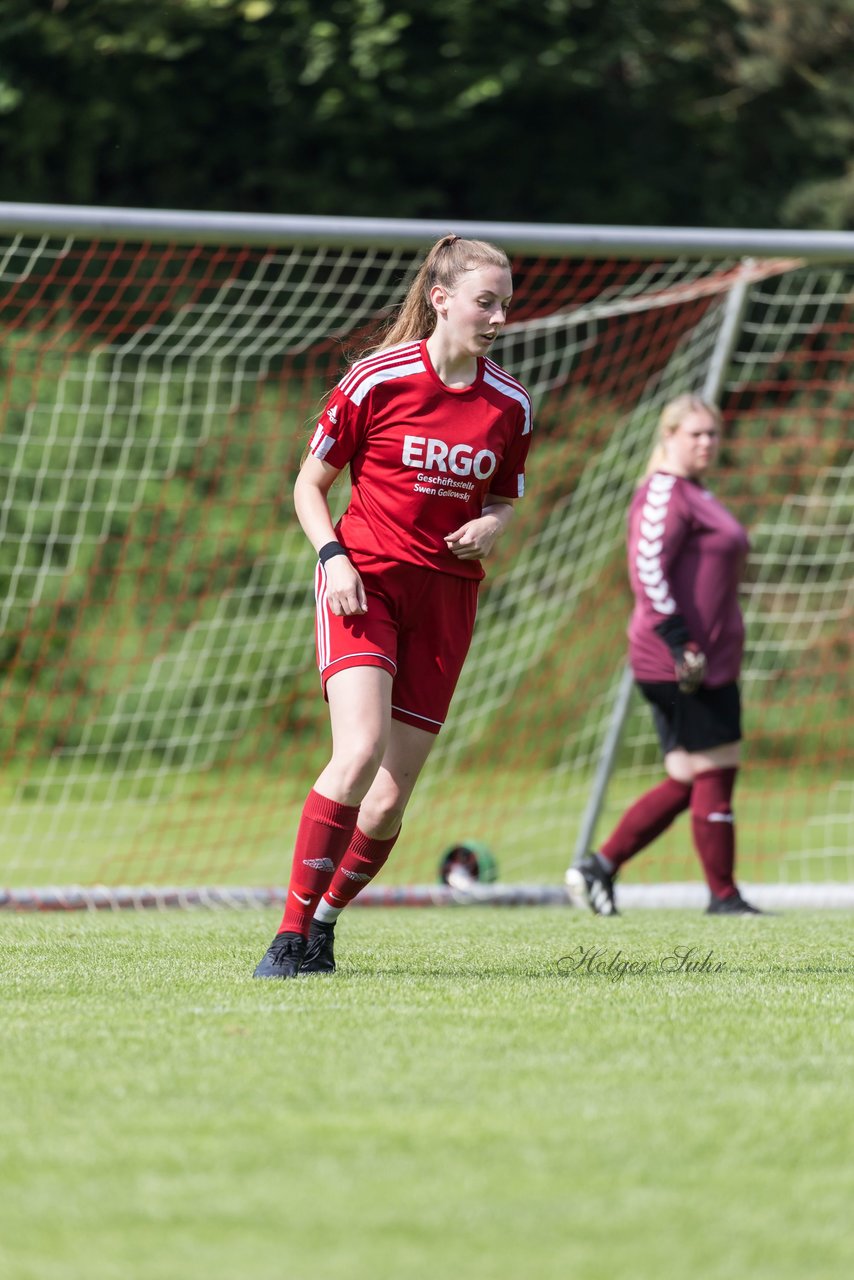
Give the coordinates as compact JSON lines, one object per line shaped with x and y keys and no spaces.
{"x":477,"y":538}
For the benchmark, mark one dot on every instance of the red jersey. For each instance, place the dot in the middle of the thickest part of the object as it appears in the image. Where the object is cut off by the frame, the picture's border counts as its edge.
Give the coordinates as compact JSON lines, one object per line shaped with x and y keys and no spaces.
{"x":686,"y":556}
{"x":422,"y":455}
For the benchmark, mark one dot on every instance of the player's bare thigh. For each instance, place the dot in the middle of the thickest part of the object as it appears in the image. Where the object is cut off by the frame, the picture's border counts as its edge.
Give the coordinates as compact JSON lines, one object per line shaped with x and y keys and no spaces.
{"x":360,"y":714}
{"x":684,"y":766}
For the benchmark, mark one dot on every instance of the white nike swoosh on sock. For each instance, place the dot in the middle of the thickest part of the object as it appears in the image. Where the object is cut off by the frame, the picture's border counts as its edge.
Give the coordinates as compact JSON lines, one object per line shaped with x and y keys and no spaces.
{"x":304,"y":901}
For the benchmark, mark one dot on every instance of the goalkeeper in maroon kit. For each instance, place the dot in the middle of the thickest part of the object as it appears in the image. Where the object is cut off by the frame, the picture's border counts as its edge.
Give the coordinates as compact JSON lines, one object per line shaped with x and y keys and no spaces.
{"x":435,"y":437}
{"x":686,"y":554}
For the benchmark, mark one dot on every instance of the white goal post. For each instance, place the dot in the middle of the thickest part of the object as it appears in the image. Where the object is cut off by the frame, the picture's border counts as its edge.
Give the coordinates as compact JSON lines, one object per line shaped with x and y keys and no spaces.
{"x":161,"y":720}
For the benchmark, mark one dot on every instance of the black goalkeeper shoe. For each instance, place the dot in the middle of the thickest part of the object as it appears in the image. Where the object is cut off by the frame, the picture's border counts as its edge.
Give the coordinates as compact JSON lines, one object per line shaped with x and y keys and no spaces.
{"x":283,"y":958}
{"x":734,"y":905}
{"x":590,"y":885}
{"x":320,"y":952}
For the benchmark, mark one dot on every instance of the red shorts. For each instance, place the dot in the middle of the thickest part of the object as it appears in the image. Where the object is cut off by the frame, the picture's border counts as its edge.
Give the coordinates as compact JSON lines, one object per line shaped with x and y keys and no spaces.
{"x":418,"y":627}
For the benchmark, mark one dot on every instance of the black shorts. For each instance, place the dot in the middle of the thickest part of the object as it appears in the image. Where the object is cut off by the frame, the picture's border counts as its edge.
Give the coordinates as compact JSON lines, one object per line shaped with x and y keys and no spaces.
{"x":693,"y":721}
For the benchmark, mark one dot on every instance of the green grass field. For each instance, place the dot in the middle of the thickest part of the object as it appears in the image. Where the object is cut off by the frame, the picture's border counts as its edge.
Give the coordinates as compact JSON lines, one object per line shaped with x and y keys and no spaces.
{"x":461,"y":1098}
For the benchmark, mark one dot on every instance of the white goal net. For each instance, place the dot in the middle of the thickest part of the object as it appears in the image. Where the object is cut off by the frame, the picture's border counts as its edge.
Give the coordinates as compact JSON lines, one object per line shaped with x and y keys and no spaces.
{"x":161,"y":718}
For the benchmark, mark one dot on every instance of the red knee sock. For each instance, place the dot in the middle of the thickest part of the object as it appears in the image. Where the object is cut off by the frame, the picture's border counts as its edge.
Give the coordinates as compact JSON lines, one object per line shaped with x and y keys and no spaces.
{"x":713,"y":826}
{"x":645,"y":820}
{"x":325,"y":830}
{"x":363,"y":860}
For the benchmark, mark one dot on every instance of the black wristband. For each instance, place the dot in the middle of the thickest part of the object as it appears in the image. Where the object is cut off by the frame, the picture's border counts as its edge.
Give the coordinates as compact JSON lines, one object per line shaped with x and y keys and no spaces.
{"x":674,"y":633}
{"x":330,"y":549}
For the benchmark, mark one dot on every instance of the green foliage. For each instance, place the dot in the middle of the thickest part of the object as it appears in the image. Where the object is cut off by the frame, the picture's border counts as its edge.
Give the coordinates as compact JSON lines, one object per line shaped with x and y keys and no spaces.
{"x":793,"y":62}
{"x":731,"y":112}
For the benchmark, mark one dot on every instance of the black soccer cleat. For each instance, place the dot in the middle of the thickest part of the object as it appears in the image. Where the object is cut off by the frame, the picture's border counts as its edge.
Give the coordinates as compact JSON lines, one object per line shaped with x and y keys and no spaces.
{"x":320,"y":952}
{"x":283,"y":958}
{"x":734,"y":905}
{"x":590,"y":885}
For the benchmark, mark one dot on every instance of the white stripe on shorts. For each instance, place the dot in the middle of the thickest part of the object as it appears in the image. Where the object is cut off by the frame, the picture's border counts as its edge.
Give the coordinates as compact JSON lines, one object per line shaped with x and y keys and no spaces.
{"x":322,"y":617}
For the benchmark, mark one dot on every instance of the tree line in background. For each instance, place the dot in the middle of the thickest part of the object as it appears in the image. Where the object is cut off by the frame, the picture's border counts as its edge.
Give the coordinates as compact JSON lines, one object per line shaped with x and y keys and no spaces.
{"x":657,"y":112}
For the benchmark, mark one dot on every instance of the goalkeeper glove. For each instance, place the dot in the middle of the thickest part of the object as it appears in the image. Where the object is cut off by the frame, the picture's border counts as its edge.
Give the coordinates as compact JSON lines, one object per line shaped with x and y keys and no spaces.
{"x":688,"y":662}
{"x":691,"y":668}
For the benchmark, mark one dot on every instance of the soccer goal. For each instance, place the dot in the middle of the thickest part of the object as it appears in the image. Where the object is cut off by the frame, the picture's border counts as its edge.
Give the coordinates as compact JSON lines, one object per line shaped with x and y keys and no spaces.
{"x":161,"y":718}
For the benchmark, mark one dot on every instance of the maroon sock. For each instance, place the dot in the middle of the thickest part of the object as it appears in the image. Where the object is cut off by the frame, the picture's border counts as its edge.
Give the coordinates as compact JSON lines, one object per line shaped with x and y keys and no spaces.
{"x":713,"y":825}
{"x":363,"y":860}
{"x":325,"y":830}
{"x":645,"y":820}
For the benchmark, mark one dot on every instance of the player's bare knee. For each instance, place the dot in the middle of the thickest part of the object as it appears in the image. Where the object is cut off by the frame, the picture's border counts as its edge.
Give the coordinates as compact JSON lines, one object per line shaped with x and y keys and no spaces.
{"x":356,"y":769}
{"x":680,"y":766}
{"x":381,"y":812}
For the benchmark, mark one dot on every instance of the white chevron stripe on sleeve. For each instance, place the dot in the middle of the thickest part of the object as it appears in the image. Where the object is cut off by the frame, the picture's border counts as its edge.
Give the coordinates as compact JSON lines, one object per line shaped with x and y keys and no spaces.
{"x":650,"y":548}
{"x":651,"y":528}
{"x":650,"y":544}
{"x":657,"y":500}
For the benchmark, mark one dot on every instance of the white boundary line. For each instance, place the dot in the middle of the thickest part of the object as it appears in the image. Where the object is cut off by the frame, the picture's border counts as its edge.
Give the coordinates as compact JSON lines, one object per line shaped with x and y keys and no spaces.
{"x":769,"y":897}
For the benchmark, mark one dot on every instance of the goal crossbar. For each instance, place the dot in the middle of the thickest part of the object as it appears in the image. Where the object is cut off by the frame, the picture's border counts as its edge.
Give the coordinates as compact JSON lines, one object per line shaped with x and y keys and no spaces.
{"x":564,"y":239}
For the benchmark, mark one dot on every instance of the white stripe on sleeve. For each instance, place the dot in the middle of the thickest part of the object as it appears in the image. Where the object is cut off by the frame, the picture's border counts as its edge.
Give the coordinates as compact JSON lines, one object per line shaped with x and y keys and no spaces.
{"x":650,"y":572}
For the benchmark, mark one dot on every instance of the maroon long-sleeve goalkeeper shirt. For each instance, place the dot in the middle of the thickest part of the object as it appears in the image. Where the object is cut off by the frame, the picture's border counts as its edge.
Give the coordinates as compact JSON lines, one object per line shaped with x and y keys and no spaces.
{"x":686,"y":556}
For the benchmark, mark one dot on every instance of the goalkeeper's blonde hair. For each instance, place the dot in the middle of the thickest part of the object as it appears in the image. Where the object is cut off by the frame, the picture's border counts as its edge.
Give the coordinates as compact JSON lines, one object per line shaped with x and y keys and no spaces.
{"x":672,"y":415}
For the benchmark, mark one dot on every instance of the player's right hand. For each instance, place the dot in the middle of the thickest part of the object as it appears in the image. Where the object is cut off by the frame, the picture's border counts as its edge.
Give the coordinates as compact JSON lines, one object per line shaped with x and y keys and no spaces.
{"x":345,"y":591}
{"x":691,"y":669}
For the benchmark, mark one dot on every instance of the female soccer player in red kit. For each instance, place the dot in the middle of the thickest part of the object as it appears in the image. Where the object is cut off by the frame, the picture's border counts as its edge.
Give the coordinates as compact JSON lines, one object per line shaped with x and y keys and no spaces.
{"x":435,"y":435}
{"x":686,"y":638}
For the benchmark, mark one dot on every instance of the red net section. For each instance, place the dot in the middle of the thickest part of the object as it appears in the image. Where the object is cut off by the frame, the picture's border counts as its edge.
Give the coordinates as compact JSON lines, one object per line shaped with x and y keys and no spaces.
{"x":160,"y":716}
